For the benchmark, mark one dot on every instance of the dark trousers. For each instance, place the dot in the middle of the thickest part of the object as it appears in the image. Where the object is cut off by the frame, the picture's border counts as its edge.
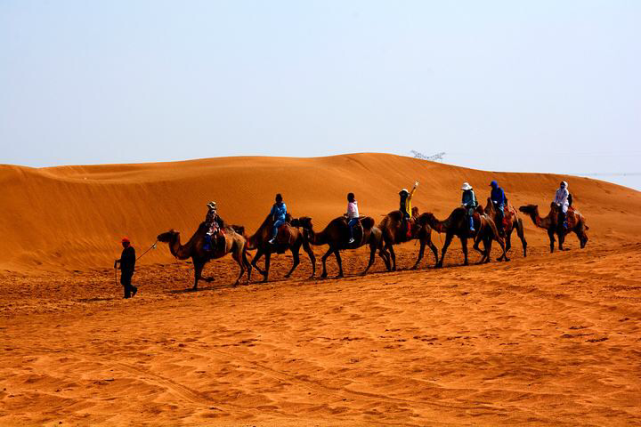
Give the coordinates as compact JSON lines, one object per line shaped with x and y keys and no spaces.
{"x":125,"y":281}
{"x":500,"y":214}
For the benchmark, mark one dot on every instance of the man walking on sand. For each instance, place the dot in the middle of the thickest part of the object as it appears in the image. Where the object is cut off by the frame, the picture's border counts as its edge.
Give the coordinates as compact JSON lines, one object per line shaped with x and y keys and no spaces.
{"x":127,"y":263}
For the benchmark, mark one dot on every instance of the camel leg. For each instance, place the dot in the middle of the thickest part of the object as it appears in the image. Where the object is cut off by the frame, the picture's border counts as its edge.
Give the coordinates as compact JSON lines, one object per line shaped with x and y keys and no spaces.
{"x":268,"y":258}
{"x":561,"y":240}
{"x":488,"y":250}
{"x":238,"y":257}
{"x":337,"y":253}
{"x":504,"y":256}
{"x":521,"y":233}
{"x":421,"y":252}
{"x":508,"y":240}
{"x":464,"y":247}
{"x":448,"y":240}
{"x":295,"y":249}
{"x":312,"y":257}
{"x":372,"y":257}
{"x":434,"y":250}
{"x":198,"y":269}
{"x":324,"y":260}
{"x":382,"y":252}
{"x":551,"y":236}
{"x":247,"y":266}
{"x":477,"y":242}
{"x":259,"y":254}
{"x":392,"y":256}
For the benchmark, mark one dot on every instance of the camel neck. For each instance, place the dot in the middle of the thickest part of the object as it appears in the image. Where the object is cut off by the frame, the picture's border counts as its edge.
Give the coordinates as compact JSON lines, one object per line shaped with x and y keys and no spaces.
{"x":316,"y":238}
{"x":180,"y":251}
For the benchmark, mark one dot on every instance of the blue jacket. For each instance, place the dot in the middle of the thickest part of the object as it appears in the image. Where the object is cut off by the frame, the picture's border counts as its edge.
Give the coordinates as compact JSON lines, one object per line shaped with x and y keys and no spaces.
{"x":279,"y":211}
{"x":498,"y":196}
{"x":469,"y":199}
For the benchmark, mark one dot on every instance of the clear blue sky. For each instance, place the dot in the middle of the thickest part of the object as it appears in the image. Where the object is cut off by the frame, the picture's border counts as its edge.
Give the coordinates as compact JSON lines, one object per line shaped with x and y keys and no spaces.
{"x":550,"y":86}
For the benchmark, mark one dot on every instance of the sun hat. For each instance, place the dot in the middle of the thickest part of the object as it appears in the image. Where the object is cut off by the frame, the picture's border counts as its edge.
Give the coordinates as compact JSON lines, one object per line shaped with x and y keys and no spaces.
{"x":211,"y":205}
{"x":466,"y":186}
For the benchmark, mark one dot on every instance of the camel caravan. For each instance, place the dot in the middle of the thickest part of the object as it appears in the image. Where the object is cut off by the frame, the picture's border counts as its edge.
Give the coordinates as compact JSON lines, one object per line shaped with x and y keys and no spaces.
{"x":280,"y":232}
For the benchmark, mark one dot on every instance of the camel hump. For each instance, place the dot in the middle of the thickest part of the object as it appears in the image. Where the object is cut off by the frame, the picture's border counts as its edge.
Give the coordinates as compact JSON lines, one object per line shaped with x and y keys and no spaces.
{"x":367,"y":222}
{"x":396,"y":215}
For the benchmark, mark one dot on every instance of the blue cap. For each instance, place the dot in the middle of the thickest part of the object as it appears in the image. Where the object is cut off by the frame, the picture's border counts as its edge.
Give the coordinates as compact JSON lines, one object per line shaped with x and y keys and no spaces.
{"x":494,"y":184}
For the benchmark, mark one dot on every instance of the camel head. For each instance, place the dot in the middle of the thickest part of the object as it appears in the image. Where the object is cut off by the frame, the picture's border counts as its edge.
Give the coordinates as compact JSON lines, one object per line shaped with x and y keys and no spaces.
{"x":529,"y":209}
{"x":169,"y":236}
{"x":425,"y":218}
{"x":305,"y":222}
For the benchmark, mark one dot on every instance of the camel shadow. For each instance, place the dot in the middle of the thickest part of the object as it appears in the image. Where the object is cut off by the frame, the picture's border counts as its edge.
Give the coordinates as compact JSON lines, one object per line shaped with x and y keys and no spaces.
{"x":96,"y":299}
{"x":206,"y":288}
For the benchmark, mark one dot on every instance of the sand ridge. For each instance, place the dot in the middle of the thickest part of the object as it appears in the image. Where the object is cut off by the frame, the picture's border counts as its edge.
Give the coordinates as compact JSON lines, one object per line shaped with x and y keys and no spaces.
{"x":71,"y":218}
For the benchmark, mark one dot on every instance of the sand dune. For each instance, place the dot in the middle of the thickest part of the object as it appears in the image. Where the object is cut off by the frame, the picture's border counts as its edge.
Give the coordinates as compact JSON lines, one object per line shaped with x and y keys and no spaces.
{"x":551,"y":339}
{"x":71,"y":218}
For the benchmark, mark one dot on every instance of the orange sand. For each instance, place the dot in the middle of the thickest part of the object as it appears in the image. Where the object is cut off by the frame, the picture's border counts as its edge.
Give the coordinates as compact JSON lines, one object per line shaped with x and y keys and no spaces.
{"x":545,"y":340}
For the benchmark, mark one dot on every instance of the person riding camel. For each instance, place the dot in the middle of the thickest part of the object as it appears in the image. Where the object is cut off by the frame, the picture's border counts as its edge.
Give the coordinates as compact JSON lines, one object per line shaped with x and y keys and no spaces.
{"x":561,"y":199}
{"x":406,"y":207}
{"x":352,"y":215}
{"x":279,"y":215}
{"x":214,"y":224}
{"x":406,"y":200}
{"x":498,"y":200}
{"x":469,"y":203}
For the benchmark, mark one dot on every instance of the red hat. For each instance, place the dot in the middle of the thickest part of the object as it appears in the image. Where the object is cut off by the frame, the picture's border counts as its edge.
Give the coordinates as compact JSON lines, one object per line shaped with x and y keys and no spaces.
{"x":125,"y":240}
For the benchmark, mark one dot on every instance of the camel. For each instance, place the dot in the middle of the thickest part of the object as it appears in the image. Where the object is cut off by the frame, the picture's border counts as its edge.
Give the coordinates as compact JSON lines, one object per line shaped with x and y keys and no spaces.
{"x":576,"y":224}
{"x":234,"y":244}
{"x":457,"y":224}
{"x":511,"y":222}
{"x":289,"y":238}
{"x":393,"y":234}
{"x":336,"y":235}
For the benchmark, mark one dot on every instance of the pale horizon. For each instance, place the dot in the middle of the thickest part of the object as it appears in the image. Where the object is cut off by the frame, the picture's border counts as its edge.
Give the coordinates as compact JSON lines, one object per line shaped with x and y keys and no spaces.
{"x":530,"y":87}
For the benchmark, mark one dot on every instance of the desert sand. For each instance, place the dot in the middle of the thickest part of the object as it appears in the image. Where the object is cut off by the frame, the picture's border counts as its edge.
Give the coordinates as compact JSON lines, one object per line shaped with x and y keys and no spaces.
{"x":551,"y":339}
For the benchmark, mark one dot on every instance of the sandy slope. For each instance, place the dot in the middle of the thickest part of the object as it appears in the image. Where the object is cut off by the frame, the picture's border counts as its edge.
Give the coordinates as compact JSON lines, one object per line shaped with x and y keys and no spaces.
{"x":530,"y":341}
{"x":544,"y":340}
{"x":71,"y":218}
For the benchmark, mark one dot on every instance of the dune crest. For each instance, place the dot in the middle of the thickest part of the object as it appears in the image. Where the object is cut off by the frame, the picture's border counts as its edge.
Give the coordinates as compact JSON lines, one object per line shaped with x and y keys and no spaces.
{"x":67,"y":218}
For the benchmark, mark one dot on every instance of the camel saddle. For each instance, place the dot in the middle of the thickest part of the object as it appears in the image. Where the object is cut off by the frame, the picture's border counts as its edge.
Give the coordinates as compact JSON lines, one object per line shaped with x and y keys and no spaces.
{"x":572,"y":217}
{"x":358,"y":231}
{"x":285,"y":235}
{"x":407,"y":229}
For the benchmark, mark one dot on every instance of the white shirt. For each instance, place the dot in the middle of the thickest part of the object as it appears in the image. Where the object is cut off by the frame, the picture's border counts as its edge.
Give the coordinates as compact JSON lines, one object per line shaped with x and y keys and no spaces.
{"x":561,"y":198}
{"x":352,"y":210}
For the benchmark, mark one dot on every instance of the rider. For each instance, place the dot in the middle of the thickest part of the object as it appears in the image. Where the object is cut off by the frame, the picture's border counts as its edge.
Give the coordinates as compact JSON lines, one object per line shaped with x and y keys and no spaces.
{"x":469,"y":203}
{"x":352,"y":215}
{"x":406,"y":206}
{"x":406,"y":201}
{"x":498,"y":200}
{"x":213,"y":223}
{"x":561,"y":201}
{"x":278,"y":214}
